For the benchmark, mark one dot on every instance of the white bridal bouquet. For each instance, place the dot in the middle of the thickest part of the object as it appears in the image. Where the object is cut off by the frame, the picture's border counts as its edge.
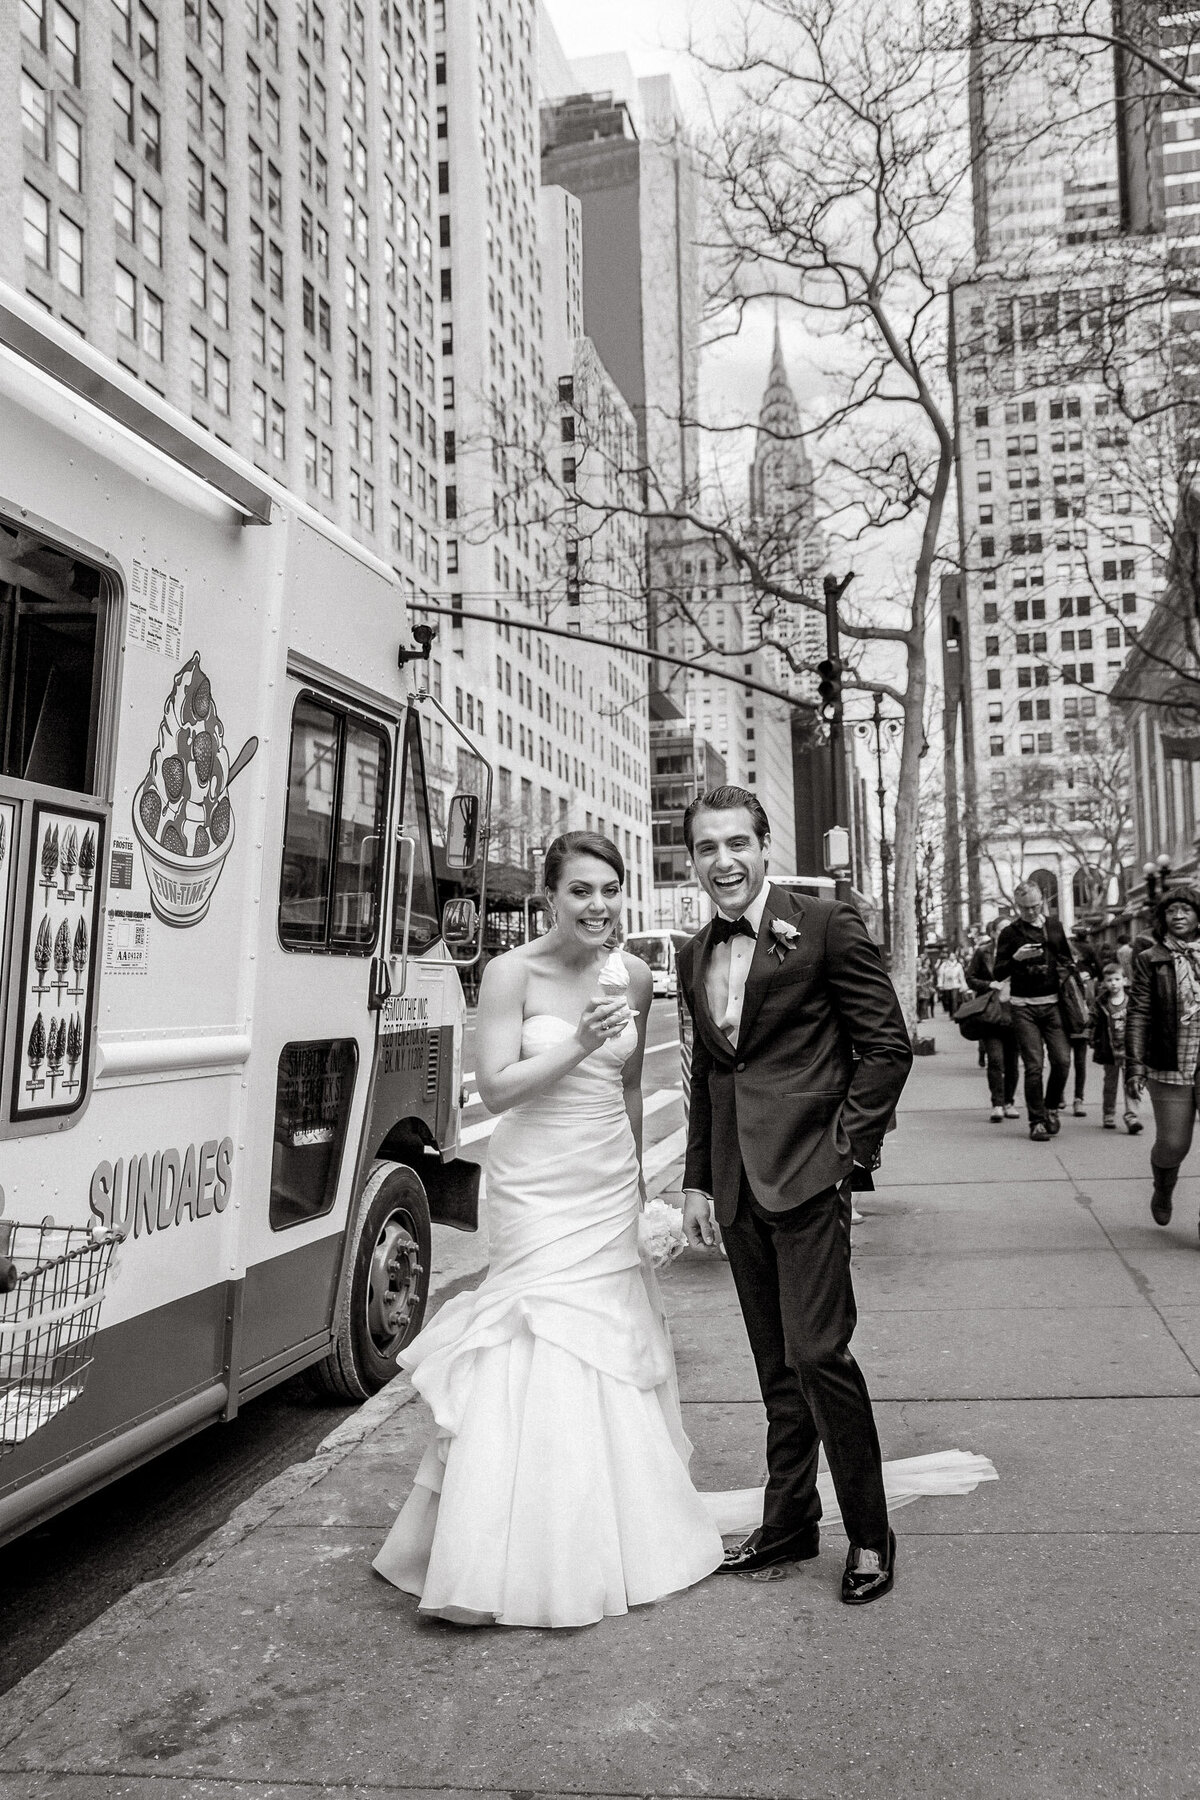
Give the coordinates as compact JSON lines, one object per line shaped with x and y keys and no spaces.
{"x":660,"y":1233}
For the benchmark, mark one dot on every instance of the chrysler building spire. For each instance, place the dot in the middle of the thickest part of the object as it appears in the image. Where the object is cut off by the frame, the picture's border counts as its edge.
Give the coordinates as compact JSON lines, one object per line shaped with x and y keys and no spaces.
{"x":781,"y":483}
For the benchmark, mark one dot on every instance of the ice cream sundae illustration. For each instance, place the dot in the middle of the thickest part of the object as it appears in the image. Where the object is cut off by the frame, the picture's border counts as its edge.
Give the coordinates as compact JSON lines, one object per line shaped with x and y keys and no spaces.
{"x":181,"y":812}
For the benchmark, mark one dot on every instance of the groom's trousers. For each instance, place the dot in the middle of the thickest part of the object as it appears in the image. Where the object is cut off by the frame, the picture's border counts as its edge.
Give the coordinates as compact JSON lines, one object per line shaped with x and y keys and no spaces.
{"x":792,"y":1274}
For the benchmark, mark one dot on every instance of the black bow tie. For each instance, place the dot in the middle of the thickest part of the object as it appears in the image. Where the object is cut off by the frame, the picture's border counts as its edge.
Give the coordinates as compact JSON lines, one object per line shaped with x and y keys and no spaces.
{"x":724,"y":929}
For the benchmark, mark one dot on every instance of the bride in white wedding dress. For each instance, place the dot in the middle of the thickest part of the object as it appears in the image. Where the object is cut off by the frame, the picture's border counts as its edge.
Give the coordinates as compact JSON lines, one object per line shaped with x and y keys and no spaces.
{"x":555,"y":1491}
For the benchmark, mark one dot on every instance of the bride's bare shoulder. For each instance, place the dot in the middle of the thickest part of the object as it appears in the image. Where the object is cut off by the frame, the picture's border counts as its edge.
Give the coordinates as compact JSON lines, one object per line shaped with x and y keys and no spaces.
{"x":507,"y":975}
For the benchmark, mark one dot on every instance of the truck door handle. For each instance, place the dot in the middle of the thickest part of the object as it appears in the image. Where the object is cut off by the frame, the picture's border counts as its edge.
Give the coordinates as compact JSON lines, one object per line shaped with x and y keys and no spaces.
{"x":381,"y":984}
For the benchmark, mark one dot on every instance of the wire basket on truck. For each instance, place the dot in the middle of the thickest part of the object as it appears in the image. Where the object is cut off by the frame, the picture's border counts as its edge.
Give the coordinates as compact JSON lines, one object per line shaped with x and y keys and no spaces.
{"x":54,"y":1279}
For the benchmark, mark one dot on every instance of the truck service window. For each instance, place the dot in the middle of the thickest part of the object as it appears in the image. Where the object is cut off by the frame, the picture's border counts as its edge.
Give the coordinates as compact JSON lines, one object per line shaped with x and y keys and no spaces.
{"x":313,"y":1090}
{"x":52,"y":611}
{"x":334,"y":833}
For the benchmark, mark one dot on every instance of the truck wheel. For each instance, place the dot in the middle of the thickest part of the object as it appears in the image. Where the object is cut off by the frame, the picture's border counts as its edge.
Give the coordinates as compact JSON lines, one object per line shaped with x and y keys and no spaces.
{"x":383,"y":1299}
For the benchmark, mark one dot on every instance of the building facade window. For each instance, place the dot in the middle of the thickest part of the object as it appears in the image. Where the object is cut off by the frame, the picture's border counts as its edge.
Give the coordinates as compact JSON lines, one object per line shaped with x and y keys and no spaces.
{"x":37,"y":227}
{"x":68,"y":149}
{"x":70,"y":254}
{"x":152,"y":325}
{"x":126,"y":303}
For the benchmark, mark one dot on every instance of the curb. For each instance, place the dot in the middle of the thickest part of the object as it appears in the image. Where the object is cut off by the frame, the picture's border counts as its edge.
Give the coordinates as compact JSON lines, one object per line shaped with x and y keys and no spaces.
{"x":46,"y":1685}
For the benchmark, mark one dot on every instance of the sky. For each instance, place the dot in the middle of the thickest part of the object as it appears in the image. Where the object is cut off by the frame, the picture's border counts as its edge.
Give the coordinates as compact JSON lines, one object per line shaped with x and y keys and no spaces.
{"x":651,"y":32}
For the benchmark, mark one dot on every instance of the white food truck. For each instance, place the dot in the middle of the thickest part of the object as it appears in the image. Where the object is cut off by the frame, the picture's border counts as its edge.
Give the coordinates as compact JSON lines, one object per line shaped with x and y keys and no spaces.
{"x":231,"y":1019}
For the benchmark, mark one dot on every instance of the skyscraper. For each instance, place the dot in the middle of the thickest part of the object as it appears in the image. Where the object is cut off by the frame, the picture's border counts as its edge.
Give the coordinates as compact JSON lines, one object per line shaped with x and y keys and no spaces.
{"x":620,"y":145}
{"x":565,"y":722}
{"x":784,"y":531}
{"x":1058,"y":522}
{"x":235,"y":201}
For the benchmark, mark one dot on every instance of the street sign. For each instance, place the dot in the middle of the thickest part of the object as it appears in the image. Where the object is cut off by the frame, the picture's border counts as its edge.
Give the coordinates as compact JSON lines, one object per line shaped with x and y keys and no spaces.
{"x":837,"y":848}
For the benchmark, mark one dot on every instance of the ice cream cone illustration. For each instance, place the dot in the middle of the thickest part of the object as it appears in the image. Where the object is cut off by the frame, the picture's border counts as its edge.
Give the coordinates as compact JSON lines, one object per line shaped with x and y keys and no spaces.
{"x":74,"y":1050}
{"x":67,"y":861}
{"x":62,"y":960}
{"x":35,"y":1054}
{"x":79,"y":956}
{"x":49,"y":862}
{"x":87,"y":861}
{"x":55,"y":1045}
{"x":41,"y":956}
{"x":181,"y":812}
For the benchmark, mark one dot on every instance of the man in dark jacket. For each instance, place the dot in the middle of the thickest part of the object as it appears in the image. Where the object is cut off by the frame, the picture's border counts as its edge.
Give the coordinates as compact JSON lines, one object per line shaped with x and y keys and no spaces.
{"x":1031,"y":954}
{"x":799,"y":1055}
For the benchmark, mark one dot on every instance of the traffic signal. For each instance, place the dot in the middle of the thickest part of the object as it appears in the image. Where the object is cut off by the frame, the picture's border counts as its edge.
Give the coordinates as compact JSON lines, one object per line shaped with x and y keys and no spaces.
{"x":829,"y":687}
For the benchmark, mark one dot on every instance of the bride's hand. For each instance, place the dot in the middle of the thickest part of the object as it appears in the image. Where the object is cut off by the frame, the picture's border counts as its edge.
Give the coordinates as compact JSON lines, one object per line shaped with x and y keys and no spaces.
{"x":600,"y":1022}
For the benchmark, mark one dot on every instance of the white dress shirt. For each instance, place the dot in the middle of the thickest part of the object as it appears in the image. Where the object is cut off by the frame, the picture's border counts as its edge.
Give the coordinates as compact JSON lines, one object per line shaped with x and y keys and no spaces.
{"x":728,"y":967}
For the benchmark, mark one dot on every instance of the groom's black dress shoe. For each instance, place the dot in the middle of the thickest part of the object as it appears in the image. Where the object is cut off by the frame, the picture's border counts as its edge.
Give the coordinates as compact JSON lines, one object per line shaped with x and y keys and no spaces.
{"x":763,"y":1548}
{"x":868,"y":1575}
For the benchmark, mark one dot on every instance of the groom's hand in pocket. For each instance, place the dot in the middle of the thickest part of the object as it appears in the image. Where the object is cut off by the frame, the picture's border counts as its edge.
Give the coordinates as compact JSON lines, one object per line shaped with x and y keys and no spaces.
{"x":698,"y":1227}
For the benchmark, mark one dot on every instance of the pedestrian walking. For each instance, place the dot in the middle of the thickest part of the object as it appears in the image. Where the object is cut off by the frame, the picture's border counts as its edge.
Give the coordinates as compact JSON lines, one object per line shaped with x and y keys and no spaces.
{"x":951,"y":983}
{"x":1081,"y":1036}
{"x":926,"y":988}
{"x":1109,"y":1024}
{"x":1125,"y":956}
{"x":1002,"y":1059}
{"x":1162,"y":1037}
{"x":1032,"y":954}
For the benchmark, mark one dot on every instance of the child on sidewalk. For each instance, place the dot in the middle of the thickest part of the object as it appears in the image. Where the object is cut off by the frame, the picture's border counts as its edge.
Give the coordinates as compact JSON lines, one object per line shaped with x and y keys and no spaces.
{"x":1108,"y":1045}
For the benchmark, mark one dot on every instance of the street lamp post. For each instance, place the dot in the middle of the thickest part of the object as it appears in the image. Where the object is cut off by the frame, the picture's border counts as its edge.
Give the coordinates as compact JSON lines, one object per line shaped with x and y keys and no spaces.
{"x":877,"y":721}
{"x":879,"y":725}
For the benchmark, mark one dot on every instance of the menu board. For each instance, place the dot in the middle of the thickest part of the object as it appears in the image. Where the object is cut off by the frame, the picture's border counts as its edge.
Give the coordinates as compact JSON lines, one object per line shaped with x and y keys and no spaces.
{"x":57,"y":974}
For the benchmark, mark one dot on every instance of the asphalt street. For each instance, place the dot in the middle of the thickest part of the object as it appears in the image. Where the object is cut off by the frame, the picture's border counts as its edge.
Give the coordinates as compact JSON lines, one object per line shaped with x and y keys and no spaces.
{"x":57,"y":1579}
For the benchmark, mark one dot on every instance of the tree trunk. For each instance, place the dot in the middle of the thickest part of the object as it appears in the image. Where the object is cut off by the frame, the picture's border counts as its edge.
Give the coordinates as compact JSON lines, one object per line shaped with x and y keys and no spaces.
{"x":906,"y":835}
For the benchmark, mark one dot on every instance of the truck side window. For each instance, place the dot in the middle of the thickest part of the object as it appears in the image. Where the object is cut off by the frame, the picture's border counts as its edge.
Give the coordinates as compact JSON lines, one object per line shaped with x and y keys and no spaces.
{"x":424,"y":923}
{"x":333,"y":835}
{"x":52,"y":613}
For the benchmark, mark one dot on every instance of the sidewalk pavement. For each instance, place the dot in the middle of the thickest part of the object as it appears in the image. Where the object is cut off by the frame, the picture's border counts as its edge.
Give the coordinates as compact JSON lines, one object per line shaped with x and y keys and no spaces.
{"x":1015,"y":1299}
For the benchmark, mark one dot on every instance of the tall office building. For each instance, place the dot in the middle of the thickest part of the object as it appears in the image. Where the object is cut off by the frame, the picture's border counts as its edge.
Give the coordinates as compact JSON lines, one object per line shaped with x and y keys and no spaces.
{"x":1059,"y":533}
{"x":1045,"y":144}
{"x":707,"y":607}
{"x":314,"y":226}
{"x":565,"y":723}
{"x":784,"y":529}
{"x":235,"y":201}
{"x":619,"y":144}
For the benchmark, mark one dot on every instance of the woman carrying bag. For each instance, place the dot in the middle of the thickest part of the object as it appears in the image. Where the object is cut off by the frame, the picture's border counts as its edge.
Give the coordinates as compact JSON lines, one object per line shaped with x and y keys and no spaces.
{"x":1162,"y":1037}
{"x":999,"y":1040}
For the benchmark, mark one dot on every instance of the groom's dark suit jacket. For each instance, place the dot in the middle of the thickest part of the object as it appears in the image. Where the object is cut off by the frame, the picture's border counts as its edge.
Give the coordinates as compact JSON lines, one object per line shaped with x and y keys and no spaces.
{"x":821,"y":1058}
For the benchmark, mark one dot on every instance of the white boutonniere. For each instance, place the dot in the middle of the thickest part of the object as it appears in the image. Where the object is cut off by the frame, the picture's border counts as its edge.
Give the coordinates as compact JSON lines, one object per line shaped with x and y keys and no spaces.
{"x":784,"y":937}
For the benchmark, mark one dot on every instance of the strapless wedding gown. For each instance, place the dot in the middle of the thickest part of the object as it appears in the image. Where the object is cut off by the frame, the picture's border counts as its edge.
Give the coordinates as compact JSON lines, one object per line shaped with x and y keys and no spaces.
{"x":555,"y":1491}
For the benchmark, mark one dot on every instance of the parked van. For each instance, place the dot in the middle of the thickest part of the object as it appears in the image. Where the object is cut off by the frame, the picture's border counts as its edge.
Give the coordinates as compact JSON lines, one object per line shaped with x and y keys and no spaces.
{"x":658,"y":950}
{"x":231,"y":1023}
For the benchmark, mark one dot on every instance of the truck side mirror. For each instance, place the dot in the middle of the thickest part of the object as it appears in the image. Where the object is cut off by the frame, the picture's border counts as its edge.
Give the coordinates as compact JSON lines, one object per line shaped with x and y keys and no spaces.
{"x":459,"y":922}
{"x":462,"y":832}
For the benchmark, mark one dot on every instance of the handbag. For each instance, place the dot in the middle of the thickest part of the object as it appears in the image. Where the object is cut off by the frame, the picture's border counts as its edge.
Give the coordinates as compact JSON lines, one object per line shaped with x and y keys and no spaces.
{"x":1074,"y":1004}
{"x":981,"y":1015}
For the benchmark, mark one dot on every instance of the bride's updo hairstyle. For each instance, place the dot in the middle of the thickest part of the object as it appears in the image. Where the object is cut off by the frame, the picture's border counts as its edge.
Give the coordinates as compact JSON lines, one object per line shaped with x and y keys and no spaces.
{"x":580,"y":843}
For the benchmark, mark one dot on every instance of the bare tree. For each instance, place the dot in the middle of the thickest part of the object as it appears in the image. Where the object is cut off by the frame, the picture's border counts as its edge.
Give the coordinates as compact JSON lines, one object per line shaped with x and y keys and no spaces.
{"x":836,"y":161}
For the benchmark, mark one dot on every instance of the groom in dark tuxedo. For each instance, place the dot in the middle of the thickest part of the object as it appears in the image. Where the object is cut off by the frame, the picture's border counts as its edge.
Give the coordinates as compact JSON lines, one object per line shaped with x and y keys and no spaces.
{"x":799,"y":1055}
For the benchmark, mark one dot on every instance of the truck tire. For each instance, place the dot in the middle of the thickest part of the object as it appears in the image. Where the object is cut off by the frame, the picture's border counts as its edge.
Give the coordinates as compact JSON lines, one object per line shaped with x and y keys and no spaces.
{"x":382,"y":1302}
